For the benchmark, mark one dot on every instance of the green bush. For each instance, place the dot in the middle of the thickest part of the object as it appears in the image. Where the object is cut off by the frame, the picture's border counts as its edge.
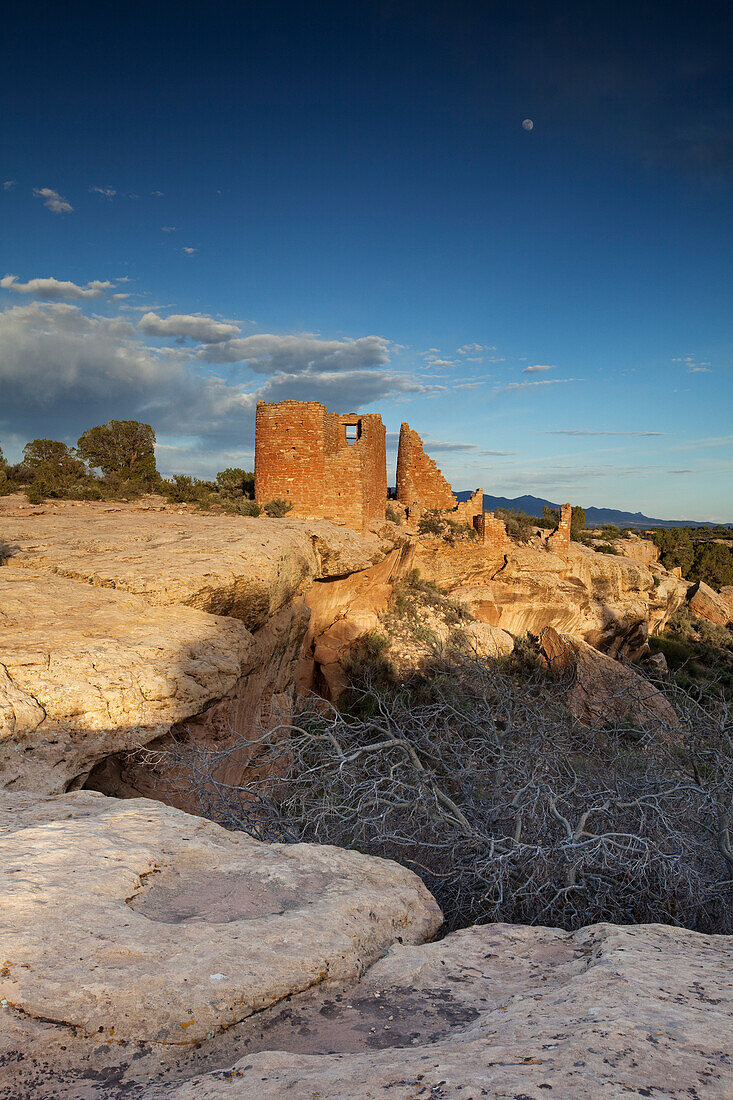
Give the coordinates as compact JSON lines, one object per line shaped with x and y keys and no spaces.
{"x":606,"y":548}
{"x":242,"y":508}
{"x":278,"y":508}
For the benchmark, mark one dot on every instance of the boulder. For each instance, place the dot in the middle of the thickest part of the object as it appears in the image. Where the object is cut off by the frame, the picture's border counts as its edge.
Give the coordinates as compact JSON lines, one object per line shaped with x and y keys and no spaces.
{"x":132,"y":921}
{"x":726,"y":595}
{"x":602,"y":691}
{"x":506,"y":1011}
{"x":706,"y":603}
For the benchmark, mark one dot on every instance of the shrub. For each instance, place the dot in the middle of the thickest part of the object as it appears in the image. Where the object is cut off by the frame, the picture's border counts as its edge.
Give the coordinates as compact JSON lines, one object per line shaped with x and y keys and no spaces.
{"x":605,"y":548}
{"x":480,"y":781}
{"x":242,"y":507}
{"x":432,"y":523}
{"x":235,"y":482}
{"x":276,"y":509}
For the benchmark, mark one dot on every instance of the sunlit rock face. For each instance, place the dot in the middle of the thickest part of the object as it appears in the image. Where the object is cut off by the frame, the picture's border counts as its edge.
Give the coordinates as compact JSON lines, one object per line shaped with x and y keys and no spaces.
{"x":706,"y":603}
{"x":131,"y":625}
{"x":610,"y":602}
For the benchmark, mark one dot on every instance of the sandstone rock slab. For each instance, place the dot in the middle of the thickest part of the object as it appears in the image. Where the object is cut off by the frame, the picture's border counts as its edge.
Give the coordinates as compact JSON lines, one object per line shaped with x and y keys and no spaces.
{"x":132,"y":921}
{"x":510,"y":1011}
{"x":227,"y":565}
{"x":85,"y":672}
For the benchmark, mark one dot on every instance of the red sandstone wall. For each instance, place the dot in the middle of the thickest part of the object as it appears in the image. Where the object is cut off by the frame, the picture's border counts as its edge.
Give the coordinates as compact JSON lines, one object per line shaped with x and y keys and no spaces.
{"x":302,"y":455}
{"x":491,"y":531}
{"x":469,"y":510}
{"x":289,"y":456}
{"x":418,"y":478}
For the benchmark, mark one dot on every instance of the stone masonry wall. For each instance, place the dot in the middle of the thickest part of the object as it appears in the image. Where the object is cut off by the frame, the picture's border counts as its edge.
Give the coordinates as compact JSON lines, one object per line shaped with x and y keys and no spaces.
{"x":491,"y":531}
{"x":419,"y":481}
{"x":328,"y":466}
{"x":560,"y":540}
{"x":469,"y":510}
{"x":290,"y":460}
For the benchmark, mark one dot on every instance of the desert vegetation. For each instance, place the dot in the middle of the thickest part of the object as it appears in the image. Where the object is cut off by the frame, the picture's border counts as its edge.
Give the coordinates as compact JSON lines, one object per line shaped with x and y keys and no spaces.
{"x":116,"y":461}
{"x":472,"y":772}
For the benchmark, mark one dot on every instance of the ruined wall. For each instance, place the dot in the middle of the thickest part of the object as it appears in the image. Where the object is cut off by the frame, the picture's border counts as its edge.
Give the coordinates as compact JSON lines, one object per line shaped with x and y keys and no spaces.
{"x":560,"y":539}
{"x":327,"y":466}
{"x":491,"y":531}
{"x":356,"y":471}
{"x":469,"y":510}
{"x":419,"y":481}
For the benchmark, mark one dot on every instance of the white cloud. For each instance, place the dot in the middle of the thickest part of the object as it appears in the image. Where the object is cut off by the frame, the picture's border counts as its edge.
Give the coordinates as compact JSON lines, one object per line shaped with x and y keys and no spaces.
{"x":197,"y":326}
{"x":53,"y":201}
{"x":169,"y":228}
{"x":54,"y":289}
{"x":466,"y":349}
{"x":157,"y":194}
{"x":62,"y":371}
{"x":267,"y":353}
{"x":105,"y":192}
{"x":536,"y":368}
{"x":544,"y":382}
{"x":189,"y":251}
{"x":580,"y":431}
{"x":693,"y":366}
{"x":9,"y":185}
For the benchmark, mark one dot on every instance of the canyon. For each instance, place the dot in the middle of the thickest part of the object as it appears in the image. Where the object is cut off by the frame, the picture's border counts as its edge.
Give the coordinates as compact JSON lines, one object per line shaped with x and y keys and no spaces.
{"x":147,"y":951}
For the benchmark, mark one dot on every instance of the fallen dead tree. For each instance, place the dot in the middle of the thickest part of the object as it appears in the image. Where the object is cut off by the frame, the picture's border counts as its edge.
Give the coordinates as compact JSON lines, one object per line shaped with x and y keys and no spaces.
{"x":475,"y":775}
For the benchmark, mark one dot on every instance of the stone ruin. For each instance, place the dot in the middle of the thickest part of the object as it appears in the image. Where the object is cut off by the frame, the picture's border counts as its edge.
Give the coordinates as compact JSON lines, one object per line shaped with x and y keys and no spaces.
{"x":325,"y":465}
{"x":334,"y":467}
{"x":559,"y":541}
{"x":420,"y":484}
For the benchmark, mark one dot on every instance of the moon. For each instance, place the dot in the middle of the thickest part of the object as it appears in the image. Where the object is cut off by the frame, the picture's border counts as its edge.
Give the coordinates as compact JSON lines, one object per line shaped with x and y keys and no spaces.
{"x":528,"y":124}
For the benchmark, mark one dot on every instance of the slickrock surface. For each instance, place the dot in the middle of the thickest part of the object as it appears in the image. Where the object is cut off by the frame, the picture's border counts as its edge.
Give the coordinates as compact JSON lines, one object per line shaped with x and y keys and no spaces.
{"x":706,"y":603}
{"x":85,"y":672}
{"x":96,"y":658}
{"x":150,"y":954}
{"x":638,"y":549}
{"x":226,"y":565}
{"x":131,"y":920}
{"x":603,"y":691}
{"x":514,"y":1012}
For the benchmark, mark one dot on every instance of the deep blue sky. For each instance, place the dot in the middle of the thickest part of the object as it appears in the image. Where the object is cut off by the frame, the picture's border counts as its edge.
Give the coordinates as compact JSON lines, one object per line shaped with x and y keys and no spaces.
{"x":362,"y":201}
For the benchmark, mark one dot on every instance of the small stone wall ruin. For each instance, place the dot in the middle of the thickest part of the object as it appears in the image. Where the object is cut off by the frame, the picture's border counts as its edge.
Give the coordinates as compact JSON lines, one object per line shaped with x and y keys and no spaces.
{"x":559,"y":540}
{"x":491,"y":531}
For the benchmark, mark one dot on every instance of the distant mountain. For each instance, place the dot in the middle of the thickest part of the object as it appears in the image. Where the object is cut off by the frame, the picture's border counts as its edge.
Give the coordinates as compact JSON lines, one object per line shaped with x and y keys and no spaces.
{"x":593,"y":516}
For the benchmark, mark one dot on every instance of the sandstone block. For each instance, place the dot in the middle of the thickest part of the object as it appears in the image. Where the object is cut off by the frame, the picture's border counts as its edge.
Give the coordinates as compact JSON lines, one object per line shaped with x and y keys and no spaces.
{"x":603,"y":691}
{"x":706,"y":603}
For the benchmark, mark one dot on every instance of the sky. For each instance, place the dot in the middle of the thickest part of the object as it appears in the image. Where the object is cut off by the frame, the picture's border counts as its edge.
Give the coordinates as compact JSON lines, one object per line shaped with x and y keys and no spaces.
{"x":509,"y":225}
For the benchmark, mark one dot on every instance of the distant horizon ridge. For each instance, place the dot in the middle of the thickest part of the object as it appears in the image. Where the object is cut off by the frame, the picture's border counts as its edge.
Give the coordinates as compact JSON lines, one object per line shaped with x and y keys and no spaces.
{"x":532,"y":506}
